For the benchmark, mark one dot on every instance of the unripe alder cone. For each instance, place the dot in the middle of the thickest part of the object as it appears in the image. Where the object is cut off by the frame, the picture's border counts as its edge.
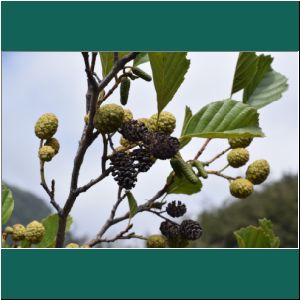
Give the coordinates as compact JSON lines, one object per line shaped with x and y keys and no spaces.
{"x":46,"y":153}
{"x":156,"y":241}
{"x":239,"y":142}
{"x":34,"y":232}
{"x":165,"y":122}
{"x":18,"y":232}
{"x":72,"y":245}
{"x":124,"y":90}
{"x":54,"y":143}
{"x":258,"y":171}
{"x":238,"y":157}
{"x":241,"y":188}
{"x":128,"y":116}
{"x":46,"y":126}
{"x":140,"y":73}
{"x":108,"y":118}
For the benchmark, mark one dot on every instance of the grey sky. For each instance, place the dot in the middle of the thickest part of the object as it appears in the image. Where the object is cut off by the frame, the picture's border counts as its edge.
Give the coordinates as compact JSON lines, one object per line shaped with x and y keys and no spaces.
{"x":35,"y":83}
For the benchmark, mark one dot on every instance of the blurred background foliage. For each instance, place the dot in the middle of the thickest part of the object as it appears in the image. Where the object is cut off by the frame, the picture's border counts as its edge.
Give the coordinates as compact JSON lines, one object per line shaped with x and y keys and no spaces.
{"x":276,"y":201}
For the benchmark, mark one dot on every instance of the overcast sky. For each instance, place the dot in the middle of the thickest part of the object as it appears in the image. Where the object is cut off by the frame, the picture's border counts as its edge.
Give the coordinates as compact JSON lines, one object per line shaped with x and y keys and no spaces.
{"x":34,"y":83}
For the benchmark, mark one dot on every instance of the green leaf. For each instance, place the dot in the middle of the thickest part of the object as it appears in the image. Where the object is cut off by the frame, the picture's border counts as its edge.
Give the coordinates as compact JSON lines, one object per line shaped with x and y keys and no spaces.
{"x":133,"y":207}
{"x":261,"y":236}
{"x":263,"y":66}
{"x":51,"y":226}
{"x":7,"y":203}
{"x":168,"y":70}
{"x":245,"y":71}
{"x":141,"y":59}
{"x":180,"y":185}
{"x":267,"y":227}
{"x":224,"y":119}
{"x":268,"y":90}
{"x":107,"y":61}
{"x":187,"y":117}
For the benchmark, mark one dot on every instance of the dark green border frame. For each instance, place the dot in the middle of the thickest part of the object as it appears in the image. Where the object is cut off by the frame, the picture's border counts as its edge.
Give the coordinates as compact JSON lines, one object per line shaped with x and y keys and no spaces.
{"x":149,"y":273}
{"x":151,"y":26}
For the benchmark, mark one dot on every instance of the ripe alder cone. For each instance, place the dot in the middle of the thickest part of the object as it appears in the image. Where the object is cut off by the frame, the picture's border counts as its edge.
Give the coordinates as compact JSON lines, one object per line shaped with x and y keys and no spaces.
{"x":258,"y":171}
{"x":46,"y":126}
{"x":238,"y":157}
{"x":34,"y":232}
{"x":241,"y":188}
{"x":108,"y":118}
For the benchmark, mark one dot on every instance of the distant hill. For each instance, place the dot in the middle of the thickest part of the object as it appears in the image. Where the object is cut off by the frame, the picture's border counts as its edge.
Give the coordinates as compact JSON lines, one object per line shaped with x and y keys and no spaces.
{"x":277,"y":201}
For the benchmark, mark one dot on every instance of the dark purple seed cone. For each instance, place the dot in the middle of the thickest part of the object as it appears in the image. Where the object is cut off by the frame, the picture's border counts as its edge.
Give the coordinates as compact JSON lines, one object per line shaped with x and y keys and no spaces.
{"x":190,"y":230}
{"x":176,"y":210}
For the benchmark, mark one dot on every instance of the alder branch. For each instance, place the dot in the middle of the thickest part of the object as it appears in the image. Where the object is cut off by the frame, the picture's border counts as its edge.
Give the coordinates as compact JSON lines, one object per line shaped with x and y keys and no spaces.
{"x":202,"y":149}
{"x":218,"y":173}
{"x":87,"y":186}
{"x":87,"y":137}
{"x":112,"y":220}
{"x":50,"y":192}
{"x":94,"y":56}
{"x":104,"y":155}
{"x":207,"y":163}
{"x":111,"y":144}
{"x":161,"y":216}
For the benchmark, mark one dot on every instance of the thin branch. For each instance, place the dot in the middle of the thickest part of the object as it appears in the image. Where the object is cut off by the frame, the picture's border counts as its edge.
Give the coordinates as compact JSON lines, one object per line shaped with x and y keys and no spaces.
{"x":223,"y":169}
{"x":104,"y":155}
{"x":87,"y":186}
{"x":111,"y":144}
{"x":112,"y":220}
{"x":159,"y":215}
{"x":124,"y":237}
{"x":217,"y":173}
{"x":51,"y":193}
{"x":86,"y":60}
{"x":202,"y":149}
{"x":207,"y":163}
